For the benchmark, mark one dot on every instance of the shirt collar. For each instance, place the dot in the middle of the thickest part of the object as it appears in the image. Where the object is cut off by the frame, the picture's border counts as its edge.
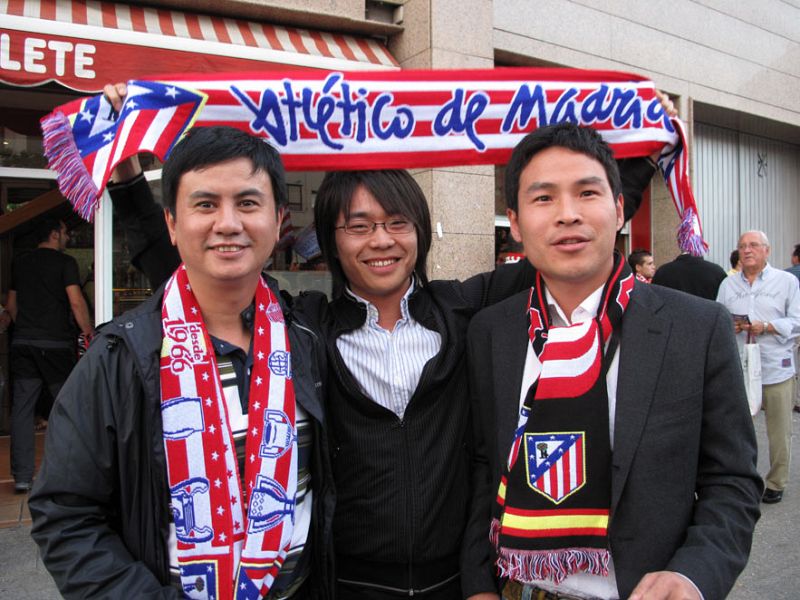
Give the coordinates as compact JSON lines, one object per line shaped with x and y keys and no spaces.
{"x":583,"y":312}
{"x":248,"y":316}
{"x":764,"y":273}
{"x":372,"y":311}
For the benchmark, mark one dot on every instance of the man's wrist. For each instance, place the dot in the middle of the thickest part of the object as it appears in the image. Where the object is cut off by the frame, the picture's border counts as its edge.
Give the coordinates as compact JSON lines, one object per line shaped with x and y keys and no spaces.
{"x":692,"y":583}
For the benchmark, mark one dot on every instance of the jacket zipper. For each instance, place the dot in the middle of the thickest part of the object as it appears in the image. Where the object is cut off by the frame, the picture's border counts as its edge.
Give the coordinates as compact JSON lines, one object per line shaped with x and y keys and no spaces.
{"x":423,"y":379}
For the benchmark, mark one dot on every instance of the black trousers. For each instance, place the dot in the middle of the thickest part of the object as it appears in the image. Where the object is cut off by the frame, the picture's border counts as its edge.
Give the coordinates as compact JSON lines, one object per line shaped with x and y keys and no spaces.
{"x":32,"y":368}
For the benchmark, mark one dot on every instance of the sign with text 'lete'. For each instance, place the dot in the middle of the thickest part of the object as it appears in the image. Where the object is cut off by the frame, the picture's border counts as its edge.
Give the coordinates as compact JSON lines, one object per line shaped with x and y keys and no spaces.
{"x":84,"y":45}
{"x":87,"y":65}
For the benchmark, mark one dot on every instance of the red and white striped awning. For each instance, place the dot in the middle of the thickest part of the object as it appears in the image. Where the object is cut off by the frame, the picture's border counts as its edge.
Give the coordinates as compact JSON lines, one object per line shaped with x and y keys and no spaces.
{"x":84,"y":44}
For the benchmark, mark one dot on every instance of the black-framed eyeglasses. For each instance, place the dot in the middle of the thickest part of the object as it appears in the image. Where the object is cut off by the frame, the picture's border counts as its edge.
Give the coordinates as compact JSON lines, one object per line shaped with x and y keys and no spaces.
{"x":365,"y":227}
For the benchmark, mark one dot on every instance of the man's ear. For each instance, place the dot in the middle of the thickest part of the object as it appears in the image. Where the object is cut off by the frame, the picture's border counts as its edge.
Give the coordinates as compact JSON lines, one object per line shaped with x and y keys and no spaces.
{"x":170,"y":219}
{"x":620,"y":207}
{"x":279,"y":216}
{"x":514,"y":223}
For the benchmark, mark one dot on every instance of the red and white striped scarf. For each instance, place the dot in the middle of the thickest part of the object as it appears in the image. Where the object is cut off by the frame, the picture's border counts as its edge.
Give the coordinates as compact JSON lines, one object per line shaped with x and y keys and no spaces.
{"x":370,"y":120}
{"x":231,"y":542}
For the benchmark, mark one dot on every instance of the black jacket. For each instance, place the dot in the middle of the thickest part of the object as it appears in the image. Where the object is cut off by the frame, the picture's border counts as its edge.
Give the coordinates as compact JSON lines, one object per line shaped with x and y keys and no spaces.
{"x":691,"y":274}
{"x":685,"y":490}
{"x":100,"y":504}
{"x":403,"y":486}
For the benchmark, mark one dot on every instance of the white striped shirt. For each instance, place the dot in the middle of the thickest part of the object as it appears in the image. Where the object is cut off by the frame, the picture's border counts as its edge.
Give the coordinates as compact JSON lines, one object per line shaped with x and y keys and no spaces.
{"x":388,"y":364}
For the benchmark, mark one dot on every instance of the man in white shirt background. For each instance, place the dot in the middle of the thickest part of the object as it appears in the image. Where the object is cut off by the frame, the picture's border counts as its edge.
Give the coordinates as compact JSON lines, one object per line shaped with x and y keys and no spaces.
{"x":770,"y":298}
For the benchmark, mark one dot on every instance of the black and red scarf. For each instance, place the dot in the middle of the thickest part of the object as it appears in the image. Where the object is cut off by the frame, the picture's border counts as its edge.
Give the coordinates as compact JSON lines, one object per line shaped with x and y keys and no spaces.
{"x":551,"y":515}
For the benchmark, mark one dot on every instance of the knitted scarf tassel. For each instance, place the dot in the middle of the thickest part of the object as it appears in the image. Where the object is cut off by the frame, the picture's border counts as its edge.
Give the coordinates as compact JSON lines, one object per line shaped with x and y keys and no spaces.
{"x":534,"y":565}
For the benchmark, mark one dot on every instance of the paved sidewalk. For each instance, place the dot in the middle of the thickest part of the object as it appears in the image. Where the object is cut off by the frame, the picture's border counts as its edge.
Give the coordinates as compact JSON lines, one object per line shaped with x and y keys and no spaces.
{"x":14,"y":507}
{"x":771,"y":573}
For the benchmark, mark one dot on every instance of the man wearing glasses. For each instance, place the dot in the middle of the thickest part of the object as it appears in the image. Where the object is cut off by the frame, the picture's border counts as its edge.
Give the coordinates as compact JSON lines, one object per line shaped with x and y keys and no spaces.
{"x":397,"y":392}
{"x":770,"y":300}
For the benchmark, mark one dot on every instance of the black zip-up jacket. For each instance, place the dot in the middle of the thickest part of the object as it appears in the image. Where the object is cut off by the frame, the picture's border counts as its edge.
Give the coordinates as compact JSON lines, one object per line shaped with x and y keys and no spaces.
{"x":403,"y":486}
{"x":100,"y":504}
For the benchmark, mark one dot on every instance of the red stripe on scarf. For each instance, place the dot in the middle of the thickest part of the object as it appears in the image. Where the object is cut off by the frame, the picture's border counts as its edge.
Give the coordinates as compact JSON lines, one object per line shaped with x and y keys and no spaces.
{"x":623,"y":107}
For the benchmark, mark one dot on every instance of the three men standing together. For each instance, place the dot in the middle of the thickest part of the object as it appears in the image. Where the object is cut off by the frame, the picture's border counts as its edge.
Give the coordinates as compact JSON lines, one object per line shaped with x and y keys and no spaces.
{"x":216,"y":426}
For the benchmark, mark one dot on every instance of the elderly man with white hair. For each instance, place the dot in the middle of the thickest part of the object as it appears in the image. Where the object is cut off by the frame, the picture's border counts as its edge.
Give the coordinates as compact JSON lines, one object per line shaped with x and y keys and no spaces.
{"x":770,"y":298}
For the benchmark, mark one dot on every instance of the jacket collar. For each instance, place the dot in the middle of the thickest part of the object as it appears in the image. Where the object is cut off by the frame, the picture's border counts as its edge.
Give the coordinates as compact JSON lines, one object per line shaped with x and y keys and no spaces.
{"x":645,"y":334}
{"x":351,"y":314}
{"x":644,"y":338}
{"x":508,"y":353}
{"x":141,"y":330}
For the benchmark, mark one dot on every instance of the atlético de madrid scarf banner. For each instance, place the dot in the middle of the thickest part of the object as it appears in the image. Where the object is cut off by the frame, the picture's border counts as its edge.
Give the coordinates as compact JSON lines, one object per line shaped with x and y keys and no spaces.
{"x":370,"y":120}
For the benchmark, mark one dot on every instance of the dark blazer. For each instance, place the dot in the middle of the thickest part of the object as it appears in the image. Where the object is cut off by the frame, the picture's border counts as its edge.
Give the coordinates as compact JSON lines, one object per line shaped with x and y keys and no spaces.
{"x":685,"y":491}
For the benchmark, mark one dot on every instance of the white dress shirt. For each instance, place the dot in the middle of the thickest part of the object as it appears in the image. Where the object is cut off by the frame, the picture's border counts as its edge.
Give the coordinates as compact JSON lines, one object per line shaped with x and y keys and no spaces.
{"x":773,"y":298}
{"x":388,"y":364}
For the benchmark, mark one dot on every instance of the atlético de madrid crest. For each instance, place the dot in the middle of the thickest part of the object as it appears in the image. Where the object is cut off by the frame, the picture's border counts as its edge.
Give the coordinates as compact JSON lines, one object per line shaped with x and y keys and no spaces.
{"x":556,"y":463}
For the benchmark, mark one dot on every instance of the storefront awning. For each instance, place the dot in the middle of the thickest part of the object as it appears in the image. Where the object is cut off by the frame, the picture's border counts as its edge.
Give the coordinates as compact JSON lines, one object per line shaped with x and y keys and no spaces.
{"x":83,"y":44}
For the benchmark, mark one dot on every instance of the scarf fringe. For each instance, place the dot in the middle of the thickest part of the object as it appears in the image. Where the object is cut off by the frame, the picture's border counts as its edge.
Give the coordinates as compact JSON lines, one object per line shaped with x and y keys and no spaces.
{"x":689,"y":240}
{"x":63,"y":156}
{"x":536,"y":565}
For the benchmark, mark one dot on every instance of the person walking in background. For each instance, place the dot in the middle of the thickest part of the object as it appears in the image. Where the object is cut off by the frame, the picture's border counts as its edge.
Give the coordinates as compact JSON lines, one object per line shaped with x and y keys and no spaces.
{"x":691,"y":274}
{"x":795,"y":258}
{"x":795,"y":270}
{"x":45,"y":302}
{"x":736,"y":265}
{"x":643,"y":265}
{"x":765,"y":303}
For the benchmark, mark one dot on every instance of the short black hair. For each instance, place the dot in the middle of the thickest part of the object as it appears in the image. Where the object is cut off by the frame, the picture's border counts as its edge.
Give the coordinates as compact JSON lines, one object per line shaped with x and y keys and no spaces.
{"x":396,"y":191}
{"x":796,"y":251}
{"x":735,"y":257}
{"x":637,"y":257}
{"x":207,"y":146}
{"x":564,"y":135}
{"x":44,"y":227}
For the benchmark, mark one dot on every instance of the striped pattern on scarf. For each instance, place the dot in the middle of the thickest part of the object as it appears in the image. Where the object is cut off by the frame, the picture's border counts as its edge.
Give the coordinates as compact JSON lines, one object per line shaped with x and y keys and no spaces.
{"x":370,"y":120}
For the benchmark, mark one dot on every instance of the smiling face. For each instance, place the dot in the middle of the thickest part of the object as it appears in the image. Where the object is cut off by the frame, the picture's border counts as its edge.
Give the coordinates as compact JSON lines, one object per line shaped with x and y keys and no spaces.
{"x":567,"y":220}
{"x":378,"y":266}
{"x":225,"y":224}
